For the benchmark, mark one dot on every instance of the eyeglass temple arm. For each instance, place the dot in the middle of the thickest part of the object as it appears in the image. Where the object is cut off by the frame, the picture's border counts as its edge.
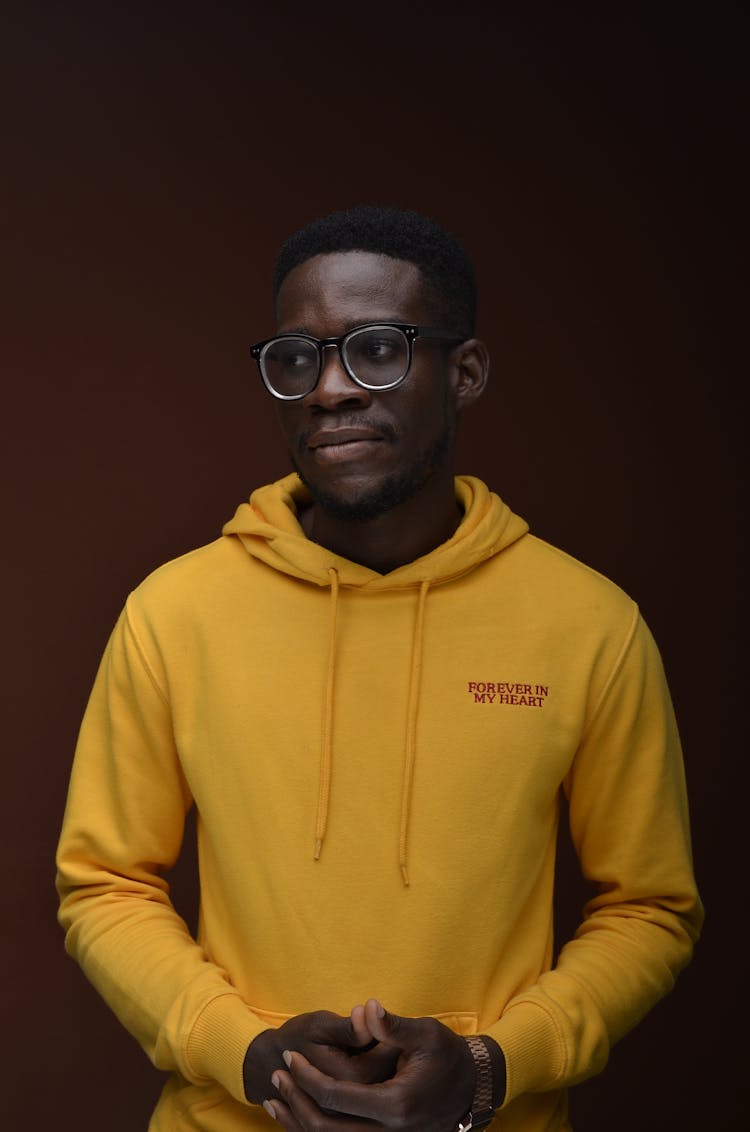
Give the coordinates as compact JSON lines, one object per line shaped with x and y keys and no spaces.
{"x":439,"y":332}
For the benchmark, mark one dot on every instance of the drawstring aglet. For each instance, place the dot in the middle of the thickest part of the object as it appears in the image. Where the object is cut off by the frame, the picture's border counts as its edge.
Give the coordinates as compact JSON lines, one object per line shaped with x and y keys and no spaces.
{"x":318,"y":847}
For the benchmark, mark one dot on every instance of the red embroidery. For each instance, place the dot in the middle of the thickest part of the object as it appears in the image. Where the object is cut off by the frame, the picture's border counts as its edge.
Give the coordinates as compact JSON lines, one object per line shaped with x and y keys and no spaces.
{"x":507,"y":692}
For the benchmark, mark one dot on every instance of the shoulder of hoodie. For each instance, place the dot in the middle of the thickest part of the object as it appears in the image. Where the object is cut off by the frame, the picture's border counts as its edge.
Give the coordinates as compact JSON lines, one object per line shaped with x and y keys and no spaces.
{"x":546,"y":569}
{"x":182,"y":581}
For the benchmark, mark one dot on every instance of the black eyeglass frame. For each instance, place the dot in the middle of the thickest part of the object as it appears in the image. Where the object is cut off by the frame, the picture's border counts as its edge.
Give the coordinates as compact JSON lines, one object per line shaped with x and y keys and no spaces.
{"x":410,"y":332}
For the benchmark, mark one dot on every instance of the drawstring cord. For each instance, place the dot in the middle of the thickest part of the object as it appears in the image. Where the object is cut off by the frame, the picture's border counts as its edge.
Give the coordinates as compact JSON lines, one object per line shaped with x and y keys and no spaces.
{"x":324,"y":785}
{"x":411,"y":733}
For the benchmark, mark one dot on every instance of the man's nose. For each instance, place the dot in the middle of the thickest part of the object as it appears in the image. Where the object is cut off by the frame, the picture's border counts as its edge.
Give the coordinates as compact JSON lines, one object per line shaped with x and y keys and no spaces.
{"x":335,"y":387}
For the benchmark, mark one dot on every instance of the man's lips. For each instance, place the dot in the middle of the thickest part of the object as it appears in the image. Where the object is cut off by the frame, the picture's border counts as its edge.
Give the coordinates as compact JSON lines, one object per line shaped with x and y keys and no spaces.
{"x":331,"y":445}
{"x":333,"y":437}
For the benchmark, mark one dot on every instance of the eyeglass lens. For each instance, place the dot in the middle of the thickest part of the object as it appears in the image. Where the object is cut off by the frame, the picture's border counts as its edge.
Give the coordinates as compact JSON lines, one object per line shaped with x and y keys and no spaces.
{"x":376,"y":356}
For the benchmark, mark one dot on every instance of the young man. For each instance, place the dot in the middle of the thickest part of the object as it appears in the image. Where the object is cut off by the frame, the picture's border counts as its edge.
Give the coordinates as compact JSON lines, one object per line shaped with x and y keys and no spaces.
{"x":374,"y":687}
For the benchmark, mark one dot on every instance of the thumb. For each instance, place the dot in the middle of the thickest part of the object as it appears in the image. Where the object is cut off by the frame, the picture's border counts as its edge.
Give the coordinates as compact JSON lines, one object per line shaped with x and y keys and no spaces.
{"x":362,"y":1035}
{"x":391,"y":1029}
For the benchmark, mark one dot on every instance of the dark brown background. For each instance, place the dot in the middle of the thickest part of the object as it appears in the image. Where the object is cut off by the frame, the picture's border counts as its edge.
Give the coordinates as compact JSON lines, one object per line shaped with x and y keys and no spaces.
{"x":154,"y":155}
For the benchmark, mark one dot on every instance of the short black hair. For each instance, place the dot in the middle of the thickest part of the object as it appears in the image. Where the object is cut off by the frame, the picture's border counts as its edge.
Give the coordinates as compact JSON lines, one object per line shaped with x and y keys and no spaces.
{"x":447,"y":272}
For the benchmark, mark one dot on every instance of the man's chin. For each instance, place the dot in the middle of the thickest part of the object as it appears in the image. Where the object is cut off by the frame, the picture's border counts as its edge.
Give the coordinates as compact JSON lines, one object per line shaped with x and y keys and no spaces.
{"x":354,"y":508}
{"x":361,"y":503}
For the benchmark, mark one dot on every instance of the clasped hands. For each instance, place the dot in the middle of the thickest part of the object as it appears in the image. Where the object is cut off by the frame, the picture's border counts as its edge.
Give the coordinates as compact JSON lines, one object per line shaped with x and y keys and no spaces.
{"x":321,"y":1072}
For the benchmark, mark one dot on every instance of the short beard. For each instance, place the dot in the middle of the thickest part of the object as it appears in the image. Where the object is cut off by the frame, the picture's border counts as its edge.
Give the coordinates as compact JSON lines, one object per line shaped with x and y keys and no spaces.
{"x":393,"y":491}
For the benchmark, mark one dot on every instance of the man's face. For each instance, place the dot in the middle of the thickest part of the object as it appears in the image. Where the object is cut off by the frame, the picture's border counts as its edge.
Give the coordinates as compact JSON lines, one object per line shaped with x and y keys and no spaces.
{"x":360,"y":452}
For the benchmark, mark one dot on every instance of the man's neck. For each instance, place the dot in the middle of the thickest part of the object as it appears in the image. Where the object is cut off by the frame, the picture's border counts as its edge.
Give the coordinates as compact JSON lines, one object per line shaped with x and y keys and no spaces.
{"x":399,"y":536}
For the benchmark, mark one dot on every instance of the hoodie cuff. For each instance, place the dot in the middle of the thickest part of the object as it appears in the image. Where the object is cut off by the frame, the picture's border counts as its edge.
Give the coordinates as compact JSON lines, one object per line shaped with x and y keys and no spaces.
{"x":219,"y":1040}
{"x":533,"y":1047}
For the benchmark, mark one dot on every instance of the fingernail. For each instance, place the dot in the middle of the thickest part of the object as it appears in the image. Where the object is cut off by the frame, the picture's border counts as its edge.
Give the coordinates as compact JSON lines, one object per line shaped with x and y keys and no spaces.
{"x":380,"y":1011}
{"x":269,"y":1109}
{"x":275,"y":1080}
{"x":287,"y":1058}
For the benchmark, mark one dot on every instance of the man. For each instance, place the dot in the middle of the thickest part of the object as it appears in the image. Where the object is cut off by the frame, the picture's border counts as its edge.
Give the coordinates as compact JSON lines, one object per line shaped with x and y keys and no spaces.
{"x":374,"y":688}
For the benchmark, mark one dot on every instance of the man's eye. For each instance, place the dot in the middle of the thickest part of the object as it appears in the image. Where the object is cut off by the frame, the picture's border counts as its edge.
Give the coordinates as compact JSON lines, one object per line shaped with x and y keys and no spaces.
{"x":377,"y":349}
{"x":295,"y":359}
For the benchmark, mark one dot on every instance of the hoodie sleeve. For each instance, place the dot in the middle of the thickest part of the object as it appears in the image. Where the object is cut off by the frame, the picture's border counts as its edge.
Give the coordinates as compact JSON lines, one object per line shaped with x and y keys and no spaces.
{"x":629,"y":824}
{"x":122,"y":829}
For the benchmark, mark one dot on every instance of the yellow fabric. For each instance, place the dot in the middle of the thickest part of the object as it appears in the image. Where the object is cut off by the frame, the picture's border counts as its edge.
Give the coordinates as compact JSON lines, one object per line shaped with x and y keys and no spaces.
{"x":324,"y":792}
{"x":418,"y":726}
{"x":411,"y":734}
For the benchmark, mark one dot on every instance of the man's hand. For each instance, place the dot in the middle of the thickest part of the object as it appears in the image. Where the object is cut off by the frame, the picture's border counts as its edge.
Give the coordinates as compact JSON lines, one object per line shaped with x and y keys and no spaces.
{"x":431,"y":1090}
{"x":342,"y":1048}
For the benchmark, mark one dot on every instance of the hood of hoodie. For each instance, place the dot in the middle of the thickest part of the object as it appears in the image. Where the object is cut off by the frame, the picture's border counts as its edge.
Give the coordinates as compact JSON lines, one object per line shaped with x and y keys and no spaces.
{"x":268,"y":527}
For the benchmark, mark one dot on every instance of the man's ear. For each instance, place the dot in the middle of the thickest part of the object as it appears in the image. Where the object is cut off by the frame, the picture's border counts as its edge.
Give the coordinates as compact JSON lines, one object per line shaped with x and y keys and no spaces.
{"x":471,"y":361}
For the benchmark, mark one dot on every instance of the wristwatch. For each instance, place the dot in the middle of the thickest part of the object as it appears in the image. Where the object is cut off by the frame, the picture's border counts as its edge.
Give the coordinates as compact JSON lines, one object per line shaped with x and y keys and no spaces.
{"x":482,"y":1111}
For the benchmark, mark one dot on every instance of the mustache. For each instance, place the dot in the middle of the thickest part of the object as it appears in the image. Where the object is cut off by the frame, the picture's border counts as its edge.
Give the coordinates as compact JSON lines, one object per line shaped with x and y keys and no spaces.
{"x":384,"y":428}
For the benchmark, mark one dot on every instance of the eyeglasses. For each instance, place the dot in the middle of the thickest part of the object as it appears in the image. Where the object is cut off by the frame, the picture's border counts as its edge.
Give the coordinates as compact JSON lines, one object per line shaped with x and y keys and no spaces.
{"x":376,"y":356}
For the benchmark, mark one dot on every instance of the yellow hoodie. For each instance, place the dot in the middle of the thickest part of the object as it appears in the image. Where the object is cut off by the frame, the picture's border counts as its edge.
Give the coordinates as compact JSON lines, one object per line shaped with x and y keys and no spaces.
{"x":376,"y":763}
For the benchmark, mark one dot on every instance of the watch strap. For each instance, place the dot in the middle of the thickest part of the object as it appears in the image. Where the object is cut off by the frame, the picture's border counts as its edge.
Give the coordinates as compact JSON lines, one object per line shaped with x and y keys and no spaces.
{"x":482,"y":1111}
